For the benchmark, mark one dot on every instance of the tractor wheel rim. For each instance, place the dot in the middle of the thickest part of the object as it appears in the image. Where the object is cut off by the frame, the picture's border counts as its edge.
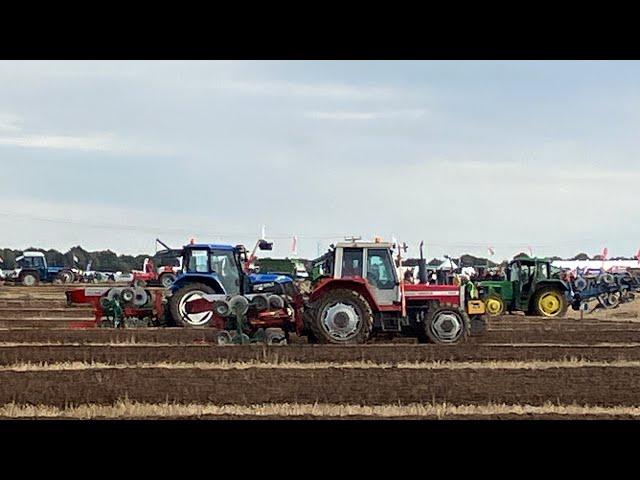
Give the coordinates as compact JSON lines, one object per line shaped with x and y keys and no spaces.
{"x":550,"y":304}
{"x":494,"y":306}
{"x":341,"y":321}
{"x":194,"y":319}
{"x":447,"y":326}
{"x":29,"y":280}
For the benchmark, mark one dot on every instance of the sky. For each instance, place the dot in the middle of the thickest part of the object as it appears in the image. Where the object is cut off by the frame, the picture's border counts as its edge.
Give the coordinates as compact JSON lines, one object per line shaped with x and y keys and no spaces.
{"x":461,"y":154}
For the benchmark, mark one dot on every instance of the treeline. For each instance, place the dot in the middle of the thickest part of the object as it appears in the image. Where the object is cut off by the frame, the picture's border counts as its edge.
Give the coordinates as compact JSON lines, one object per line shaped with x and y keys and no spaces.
{"x":104,"y":260}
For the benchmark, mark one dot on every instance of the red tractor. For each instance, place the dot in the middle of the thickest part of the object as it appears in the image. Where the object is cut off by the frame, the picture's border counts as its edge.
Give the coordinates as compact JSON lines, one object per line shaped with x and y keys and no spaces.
{"x":357,"y":292}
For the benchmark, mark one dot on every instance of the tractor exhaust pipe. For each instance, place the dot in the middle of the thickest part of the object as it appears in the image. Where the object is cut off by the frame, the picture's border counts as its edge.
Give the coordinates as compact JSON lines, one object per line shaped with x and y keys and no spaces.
{"x":422,"y":266}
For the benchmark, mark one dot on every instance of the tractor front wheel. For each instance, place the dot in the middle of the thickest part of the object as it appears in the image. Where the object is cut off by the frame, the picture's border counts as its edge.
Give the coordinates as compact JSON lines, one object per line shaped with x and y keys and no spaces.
{"x":447,"y":324}
{"x":29,"y":279}
{"x":341,"y":316}
{"x":494,"y":304}
{"x":178,"y":301}
{"x":550,"y":302}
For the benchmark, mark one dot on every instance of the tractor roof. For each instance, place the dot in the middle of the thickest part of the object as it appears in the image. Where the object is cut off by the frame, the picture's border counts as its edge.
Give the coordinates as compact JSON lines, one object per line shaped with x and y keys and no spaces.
{"x":527,"y":258}
{"x":210,"y":246}
{"x":359,"y":244}
{"x":32,"y":253}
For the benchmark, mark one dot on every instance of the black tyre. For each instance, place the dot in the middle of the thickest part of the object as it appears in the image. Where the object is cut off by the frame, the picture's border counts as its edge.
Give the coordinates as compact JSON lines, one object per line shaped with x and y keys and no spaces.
{"x":29,"y":279}
{"x":478,"y":326}
{"x":549,"y":302}
{"x":447,"y":324}
{"x":178,"y":301}
{"x":341,"y":317}
{"x":166,"y":279}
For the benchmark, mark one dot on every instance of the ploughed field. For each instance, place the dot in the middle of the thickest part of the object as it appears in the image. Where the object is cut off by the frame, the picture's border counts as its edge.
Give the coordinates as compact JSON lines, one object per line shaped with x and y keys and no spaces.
{"x":523,"y":367}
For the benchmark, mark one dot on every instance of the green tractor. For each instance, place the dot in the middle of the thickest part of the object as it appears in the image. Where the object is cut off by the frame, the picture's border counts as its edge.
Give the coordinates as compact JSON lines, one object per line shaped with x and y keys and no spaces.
{"x":530,"y":286}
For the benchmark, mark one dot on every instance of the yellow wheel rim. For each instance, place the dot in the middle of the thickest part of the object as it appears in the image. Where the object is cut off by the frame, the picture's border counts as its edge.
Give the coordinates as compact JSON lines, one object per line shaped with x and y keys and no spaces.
{"x":494,"y":306}
{"x":550,"y":304}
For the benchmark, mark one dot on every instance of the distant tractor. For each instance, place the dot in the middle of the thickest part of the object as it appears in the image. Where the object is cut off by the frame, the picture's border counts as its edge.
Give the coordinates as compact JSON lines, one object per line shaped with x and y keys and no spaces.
{"x":31,"y":269}
{"x":161,"y":269}
{"x":529,"y":287}
{"x":284,"y":266}
{"x":357,"y":292}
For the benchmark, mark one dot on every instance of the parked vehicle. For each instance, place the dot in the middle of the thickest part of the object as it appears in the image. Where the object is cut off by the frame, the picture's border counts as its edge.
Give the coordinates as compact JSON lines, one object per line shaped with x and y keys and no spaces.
{"x":534,"y":286}
{"x":31,"y":269}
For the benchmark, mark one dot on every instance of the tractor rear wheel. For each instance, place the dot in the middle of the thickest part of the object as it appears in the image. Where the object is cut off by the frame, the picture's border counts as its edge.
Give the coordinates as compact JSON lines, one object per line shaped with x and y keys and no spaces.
{"x":447,"y":323}
{"x":549,"y":302}
{"x":341,"y":316}
{"x":178,"y":301}
{"x":494,"y":304}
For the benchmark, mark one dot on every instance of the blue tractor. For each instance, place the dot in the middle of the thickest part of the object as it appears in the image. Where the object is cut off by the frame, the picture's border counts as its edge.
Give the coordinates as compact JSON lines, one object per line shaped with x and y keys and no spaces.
{"x":209,"y":268}
{"x":31,"y":269}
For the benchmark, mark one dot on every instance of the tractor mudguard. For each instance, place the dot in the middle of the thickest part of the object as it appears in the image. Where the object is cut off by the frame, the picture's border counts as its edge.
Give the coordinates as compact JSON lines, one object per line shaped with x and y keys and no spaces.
{"x":356,"y":284}
{"x":559,"y":284}
{"x":210,"y":280}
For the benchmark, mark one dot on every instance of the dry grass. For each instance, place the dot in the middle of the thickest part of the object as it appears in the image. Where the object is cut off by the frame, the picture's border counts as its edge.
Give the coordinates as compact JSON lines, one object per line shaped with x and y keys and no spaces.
{"x":286,"y":365}
{"x":127,"y":409}
{"x":559,"y":345}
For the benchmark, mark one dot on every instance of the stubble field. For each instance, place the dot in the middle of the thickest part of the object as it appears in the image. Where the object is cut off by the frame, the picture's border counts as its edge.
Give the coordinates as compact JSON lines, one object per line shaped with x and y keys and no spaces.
{"x":523,"y":367}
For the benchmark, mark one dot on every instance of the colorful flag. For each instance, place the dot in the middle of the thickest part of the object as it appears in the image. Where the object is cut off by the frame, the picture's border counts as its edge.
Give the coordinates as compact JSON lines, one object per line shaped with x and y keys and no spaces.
{"x":605,"y":253}
{"x":294,"y":245}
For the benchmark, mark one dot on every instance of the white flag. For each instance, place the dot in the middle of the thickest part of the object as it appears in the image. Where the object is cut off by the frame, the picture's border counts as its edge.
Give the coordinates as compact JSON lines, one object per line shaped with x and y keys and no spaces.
{"x":263,"y":233}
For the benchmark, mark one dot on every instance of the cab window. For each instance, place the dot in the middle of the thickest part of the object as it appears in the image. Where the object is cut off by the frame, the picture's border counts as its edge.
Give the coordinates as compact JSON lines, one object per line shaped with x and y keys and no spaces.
{"x":514,"y":273}
{"x":224,"y":264}
{"x":352,"y":262}
{"x":198,"y":262}
{"x":380,"y":269}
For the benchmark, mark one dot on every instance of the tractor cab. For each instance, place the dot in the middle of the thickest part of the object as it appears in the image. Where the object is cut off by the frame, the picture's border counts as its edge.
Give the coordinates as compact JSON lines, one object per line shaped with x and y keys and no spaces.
{"x":525,"y":274}
{"x":212,"y":264}
{"x":371,"y":262}
{"x":32,"y":261}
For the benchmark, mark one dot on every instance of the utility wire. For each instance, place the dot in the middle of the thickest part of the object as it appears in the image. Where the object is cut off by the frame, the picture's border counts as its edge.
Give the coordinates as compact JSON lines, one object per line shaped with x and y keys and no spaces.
{"x":275,"y":236}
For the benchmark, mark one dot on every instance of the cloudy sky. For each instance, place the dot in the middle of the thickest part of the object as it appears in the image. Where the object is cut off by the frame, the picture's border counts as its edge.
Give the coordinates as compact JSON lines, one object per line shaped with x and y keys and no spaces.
{"x":461,"y":154}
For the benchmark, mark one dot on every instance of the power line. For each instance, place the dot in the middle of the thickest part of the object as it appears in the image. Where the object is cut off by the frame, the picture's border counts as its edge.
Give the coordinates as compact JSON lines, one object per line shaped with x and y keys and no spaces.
{"x":155,"y":230}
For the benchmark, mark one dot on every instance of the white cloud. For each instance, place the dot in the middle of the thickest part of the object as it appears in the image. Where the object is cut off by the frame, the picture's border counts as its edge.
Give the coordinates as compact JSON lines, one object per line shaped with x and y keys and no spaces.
{"x":319,"y":90}
{"x":10,"y":123}
{"x":354,"y":115}
{"x":88,"y":143}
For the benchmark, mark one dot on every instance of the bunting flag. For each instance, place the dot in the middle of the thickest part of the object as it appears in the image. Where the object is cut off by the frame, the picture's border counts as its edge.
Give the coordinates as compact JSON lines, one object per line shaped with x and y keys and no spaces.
{"x":530,"y":251}
{"x":605,"y":253}
{"x":491,"y":251}
{"x":294,"y":245}
{"x":263,"y":232}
